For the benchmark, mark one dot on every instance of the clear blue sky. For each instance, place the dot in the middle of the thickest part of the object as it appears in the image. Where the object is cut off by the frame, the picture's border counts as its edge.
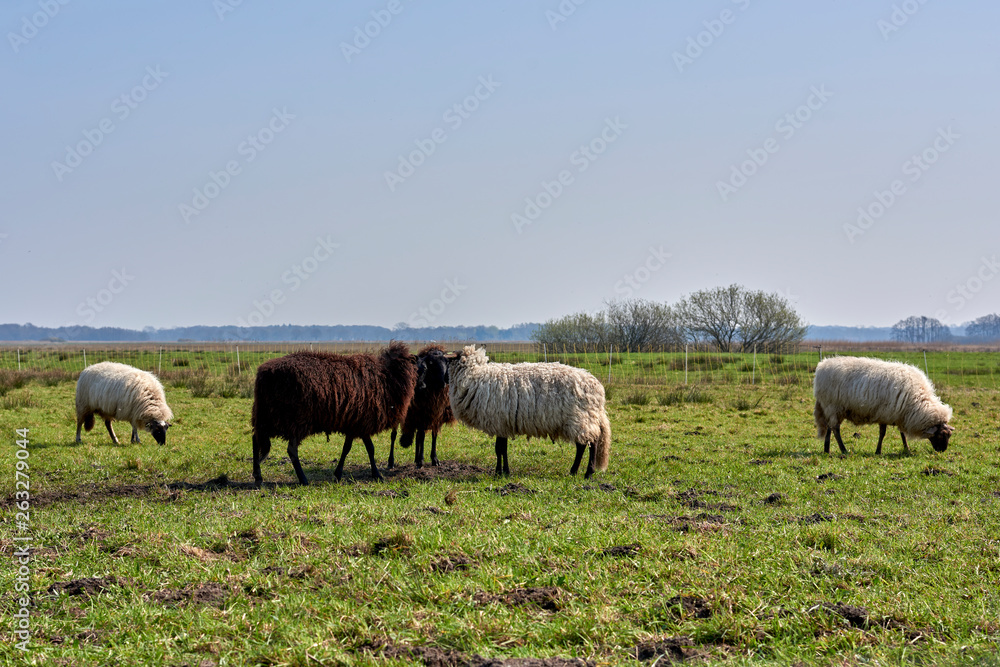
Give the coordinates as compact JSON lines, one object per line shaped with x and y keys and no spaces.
{"x":309,"y":229}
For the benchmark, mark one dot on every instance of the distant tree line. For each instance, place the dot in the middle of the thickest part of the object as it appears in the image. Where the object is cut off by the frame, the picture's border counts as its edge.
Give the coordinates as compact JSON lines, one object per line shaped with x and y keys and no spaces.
{"x":922,"y":329}
{"x":728,"y":318}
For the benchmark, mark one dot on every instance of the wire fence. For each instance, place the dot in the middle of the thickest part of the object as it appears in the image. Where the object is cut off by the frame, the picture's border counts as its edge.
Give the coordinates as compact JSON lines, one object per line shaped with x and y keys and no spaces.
{"x":187,"y":363}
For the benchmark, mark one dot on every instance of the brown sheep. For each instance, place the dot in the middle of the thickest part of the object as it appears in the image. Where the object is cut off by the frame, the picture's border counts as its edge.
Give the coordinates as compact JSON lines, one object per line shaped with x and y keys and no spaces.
{"x":304,"y":393}
{"x":429,"y":409}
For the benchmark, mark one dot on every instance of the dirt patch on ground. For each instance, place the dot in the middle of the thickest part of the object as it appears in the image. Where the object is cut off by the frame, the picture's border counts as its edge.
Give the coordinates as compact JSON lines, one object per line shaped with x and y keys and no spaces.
{"x":546,"y":598}
{"x":450,"y":470}
{"x":515,"y":489}
{"x":436,"y":657}
{"x":774,"y":499}
{"x":811,"y":519}
{"x":87,"y":586}
{"x":91,"y":534}
{"x":859,"y":617}
{"x":689,"y":606}
{"x":390,"y":545}
{"x":702,"y":522}
{"x":209,"y":592}
{"x":297,"y":572}
{"x":829,"y":477}
{"x":622,"y":550}
{"x":452,"y":562}
{"x":607,"y":488}
{"x":665,"y":651}
{"x":692,"y":498}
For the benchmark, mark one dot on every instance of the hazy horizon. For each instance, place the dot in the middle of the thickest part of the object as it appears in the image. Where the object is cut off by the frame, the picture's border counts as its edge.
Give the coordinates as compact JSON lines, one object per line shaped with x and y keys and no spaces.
{"x":219,"y":162}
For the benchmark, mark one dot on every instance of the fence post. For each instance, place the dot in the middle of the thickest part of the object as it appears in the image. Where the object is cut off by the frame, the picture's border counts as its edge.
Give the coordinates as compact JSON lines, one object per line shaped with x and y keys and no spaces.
{"x":545,"y":352}
{"x":84,"y":357}
{"x":19,"y":360}
{"x":753,"y":374}
{"x":610,"y":352}
{"x":159,"y":364}
{"x":925,"y":364}
{"x":685,"y":363}
{"x":238,"y":370}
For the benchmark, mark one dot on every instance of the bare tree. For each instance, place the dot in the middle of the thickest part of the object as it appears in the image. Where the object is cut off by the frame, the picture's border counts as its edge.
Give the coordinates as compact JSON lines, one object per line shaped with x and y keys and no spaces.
{"x":769,"y":322}
{"x":986,"y":327}
{"x":713,"y":315}
{"x":638,"y":324}
{"x":920,"y":329}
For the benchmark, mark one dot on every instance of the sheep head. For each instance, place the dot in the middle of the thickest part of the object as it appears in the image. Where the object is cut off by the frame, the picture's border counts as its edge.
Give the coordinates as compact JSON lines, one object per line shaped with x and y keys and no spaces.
{"x":939,"y":435}
{"x":432,"y":370}
{"x":158,"y":429}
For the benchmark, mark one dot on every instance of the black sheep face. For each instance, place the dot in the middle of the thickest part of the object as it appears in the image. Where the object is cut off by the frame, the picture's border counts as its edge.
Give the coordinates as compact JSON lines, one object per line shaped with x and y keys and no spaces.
{"x":939,"y":436}
{"x":158,"y":431}
{"x":432,"y":371}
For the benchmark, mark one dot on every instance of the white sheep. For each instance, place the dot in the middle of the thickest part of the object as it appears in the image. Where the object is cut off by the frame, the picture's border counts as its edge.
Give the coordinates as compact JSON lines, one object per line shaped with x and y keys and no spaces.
{"x":533,"y":399}
{"x":117,"y":391}
{"x":871,"y":391}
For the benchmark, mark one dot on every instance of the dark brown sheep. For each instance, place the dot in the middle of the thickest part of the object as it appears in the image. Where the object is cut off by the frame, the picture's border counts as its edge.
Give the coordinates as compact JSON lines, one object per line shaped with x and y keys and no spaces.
{"x":430,"y":408}
{"x":304,"y":393}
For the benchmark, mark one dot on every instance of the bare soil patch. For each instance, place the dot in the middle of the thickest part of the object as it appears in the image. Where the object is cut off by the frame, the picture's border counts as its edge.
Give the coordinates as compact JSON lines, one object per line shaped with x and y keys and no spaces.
{"x":87,"y":586}
{"x":689,"y":606}
{"x":452,"y":563}
{"x":433,"y":656}
{"x":546,"y":598}
{"x":209,"y":592}
{"x":450,"y":470}
{"x":515,"y":489}
{"x":665,"y":651}
{"x":622,"y":550}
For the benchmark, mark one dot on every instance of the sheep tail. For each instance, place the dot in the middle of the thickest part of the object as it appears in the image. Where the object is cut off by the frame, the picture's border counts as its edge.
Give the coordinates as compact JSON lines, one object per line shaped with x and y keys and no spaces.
{"x":820,"y":420}
{"x":603,"y":450}
{"x":88,"y":421}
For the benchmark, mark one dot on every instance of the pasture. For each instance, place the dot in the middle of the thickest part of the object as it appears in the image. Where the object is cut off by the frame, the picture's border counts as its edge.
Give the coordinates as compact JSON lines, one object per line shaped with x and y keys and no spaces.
{"x":720,"y":534}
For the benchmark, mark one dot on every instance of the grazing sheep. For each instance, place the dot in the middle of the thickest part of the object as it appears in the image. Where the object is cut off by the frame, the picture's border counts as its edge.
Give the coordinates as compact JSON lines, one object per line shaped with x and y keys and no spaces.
{"x":304,"y":393}
{"x":533,"y":399}
{"x":872,"y":391}
{"x":117,"y":391}
{"x":429,"y":409}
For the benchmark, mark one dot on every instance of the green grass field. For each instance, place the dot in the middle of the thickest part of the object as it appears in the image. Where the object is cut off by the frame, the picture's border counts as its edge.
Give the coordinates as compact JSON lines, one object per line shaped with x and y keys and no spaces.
{"x":721,"y":534}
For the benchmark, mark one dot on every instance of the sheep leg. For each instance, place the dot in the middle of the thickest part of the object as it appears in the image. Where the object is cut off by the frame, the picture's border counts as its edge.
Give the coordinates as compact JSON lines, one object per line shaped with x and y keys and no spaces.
{"x":371,"y":458}
{"x":79,"y":424}
{"x":881,"y":434}
{"x":840,"y":442}
{"x":826,"y":441}
{"x":579,"y":457}
{"x":392,"y":450}
{"x":135,"y":435}
{"x":293,"y":454}
{"x":418,"y":459}
{"x":590,"y":464}
{"x":434,"y":448}
{"x":111,"y":431}
{"x":258,"y":479}
{"x":348,"y":441}
{"x":501,"y":449}
{"x":906,"y":447}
